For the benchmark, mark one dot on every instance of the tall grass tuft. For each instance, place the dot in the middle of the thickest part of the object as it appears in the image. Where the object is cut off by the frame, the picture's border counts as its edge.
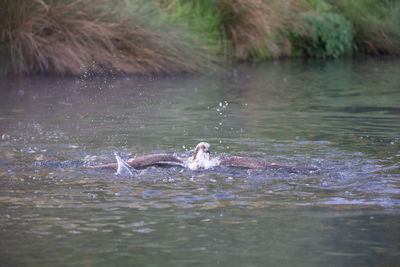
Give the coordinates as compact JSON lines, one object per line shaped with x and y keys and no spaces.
{"x":239,"y":29}
{"x":376,"y":25}
{"x":72,"y":37}
{"x":255,"y":27}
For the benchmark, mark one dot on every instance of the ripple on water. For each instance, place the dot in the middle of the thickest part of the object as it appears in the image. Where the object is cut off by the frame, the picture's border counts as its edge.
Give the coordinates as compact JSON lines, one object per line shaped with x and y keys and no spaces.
{"x":50,"y":201}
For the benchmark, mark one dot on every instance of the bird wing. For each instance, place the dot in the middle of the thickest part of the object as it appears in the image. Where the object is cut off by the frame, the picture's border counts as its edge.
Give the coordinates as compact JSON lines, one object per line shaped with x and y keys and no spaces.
{"x":145,"y":161}
{"x":253,"y":163}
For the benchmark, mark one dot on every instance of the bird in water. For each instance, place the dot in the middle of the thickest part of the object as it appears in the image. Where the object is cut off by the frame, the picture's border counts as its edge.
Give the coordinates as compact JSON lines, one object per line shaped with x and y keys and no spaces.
{"x":201,"y":159}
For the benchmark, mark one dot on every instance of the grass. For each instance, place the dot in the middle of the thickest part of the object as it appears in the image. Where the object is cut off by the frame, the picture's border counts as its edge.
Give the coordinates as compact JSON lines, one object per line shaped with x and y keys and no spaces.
{"x":376,"y":25}
{"x":242,"y":29}
{"x":249,"y":26}
{"x":172,"y":36}
{"x":73,"y":37}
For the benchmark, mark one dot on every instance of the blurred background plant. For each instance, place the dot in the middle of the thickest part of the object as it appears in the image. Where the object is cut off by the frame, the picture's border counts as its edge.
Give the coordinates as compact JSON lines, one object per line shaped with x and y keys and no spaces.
{"x":172,"y":36}
{"x":376,"y":25}
{"x":326,"y":35}
{"x":76,"y":36}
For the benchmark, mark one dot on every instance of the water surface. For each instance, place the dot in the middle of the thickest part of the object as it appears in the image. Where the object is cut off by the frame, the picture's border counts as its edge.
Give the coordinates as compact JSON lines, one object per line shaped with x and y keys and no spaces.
{"x":342,"y":117}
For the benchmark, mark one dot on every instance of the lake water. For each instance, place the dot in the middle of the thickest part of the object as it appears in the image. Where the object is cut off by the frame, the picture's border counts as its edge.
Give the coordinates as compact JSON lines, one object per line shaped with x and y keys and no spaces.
{"x":342,"y":117}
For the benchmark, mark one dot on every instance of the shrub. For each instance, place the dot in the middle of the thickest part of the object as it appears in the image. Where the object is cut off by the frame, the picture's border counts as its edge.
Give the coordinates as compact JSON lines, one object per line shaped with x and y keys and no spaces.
{"x":327,"y":35}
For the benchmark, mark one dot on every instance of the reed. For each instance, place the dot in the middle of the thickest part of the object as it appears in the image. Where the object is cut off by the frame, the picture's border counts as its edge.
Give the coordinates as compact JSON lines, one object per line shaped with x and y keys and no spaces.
{"x":73,"y":37}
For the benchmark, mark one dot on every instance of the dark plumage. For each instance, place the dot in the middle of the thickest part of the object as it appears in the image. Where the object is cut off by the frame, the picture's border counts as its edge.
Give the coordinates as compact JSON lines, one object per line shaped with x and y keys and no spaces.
{"x":201,"y":160}
{"x":145,"y":161}
{"x":253,"y":163}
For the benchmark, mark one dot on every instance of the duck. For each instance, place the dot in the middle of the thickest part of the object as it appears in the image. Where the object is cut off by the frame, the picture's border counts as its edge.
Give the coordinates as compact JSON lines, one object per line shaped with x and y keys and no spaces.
{"x":202,"y":160}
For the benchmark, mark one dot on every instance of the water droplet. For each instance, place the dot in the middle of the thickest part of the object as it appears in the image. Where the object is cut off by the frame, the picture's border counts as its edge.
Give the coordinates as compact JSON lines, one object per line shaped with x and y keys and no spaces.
{"x":5,"y":137}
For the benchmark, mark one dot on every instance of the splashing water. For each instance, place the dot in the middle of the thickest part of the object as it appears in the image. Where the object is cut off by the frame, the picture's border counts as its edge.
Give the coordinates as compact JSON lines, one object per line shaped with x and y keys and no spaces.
{"x":339,"y":116}
{"x":123,"y":167}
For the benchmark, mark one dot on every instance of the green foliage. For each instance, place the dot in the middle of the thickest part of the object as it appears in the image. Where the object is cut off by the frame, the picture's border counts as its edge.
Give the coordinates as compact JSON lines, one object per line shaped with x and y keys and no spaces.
{"x":319,"y":5}
{"x":142,"y":36}
{"x":376,"y":24}
{"x":326,"y":35}
{"x":199,"y":18}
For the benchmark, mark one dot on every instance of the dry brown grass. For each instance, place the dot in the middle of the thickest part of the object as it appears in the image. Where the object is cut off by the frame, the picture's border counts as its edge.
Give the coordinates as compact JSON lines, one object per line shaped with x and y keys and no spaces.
{"x":376,"y":25}
{"x":255,"y":27}
{"x":72,"y":37}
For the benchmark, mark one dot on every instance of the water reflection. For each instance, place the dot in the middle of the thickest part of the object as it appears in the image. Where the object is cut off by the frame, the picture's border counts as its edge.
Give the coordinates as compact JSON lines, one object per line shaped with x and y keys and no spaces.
{"x":339,"y":116}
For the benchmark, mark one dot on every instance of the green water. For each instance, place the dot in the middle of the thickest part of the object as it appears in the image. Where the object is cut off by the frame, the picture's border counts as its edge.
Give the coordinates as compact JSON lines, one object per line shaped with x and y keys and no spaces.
{"x":342,"y":117}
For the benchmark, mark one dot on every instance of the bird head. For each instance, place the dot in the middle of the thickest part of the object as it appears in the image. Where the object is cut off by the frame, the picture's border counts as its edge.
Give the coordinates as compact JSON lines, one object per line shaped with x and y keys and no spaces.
{"x":202,"y":151}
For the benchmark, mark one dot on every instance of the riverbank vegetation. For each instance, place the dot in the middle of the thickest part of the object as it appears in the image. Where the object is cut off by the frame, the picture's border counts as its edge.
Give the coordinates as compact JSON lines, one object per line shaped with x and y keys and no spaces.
{"x":74,"y":37}
{"x":171,"y":36}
